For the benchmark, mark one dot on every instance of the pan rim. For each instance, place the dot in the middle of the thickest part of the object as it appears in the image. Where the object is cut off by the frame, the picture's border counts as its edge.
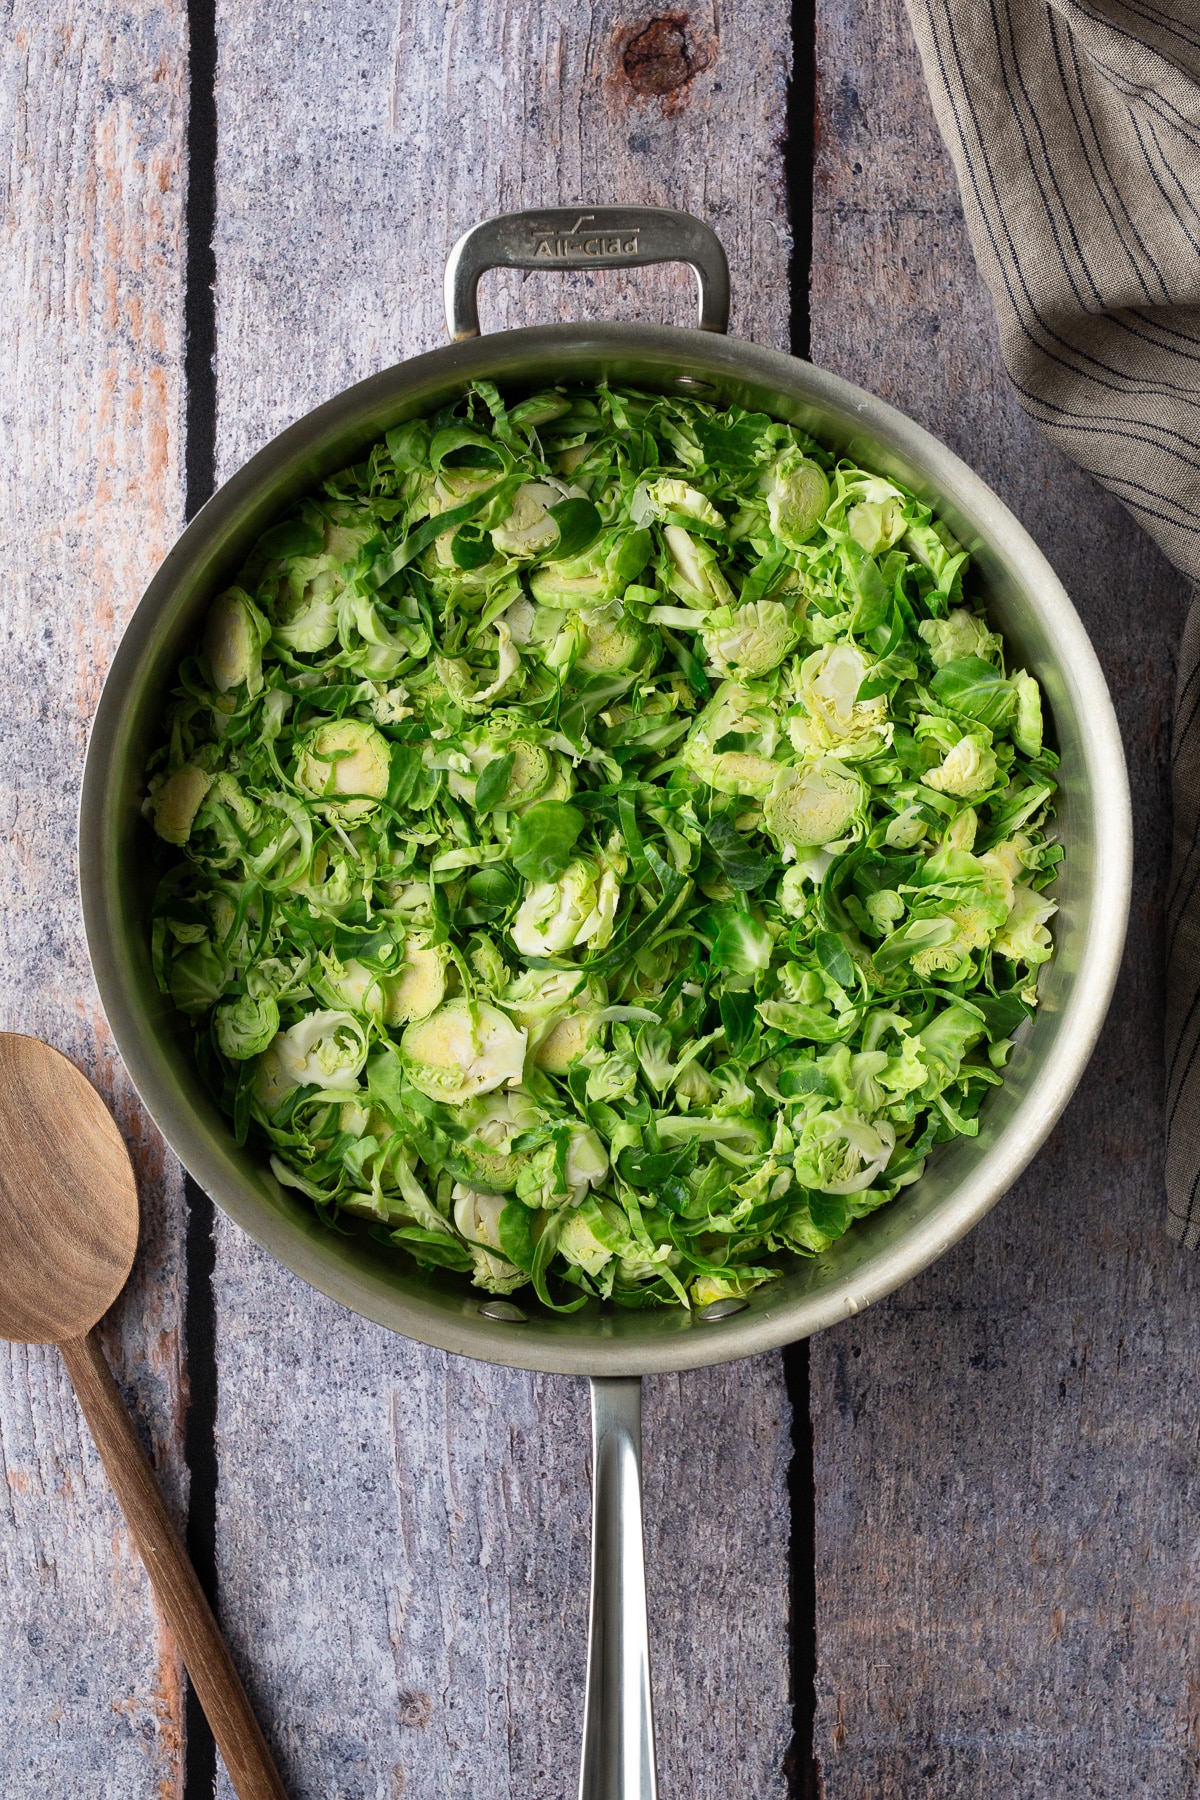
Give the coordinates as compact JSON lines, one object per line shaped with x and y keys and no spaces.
{"x":545,"y":1345}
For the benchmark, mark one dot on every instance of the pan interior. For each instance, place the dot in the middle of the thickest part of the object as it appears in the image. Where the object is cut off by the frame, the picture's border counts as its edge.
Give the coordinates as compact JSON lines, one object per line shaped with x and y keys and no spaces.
{"x":962,"y":1180}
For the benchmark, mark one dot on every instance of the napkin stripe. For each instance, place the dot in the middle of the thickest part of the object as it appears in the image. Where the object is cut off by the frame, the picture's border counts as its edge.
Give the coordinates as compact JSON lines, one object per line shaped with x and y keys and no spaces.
{"x":1074,"y":126}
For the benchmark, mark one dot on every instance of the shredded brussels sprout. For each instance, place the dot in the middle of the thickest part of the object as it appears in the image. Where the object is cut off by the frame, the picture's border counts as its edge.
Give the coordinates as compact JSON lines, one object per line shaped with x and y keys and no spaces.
{"x":607,"y":848}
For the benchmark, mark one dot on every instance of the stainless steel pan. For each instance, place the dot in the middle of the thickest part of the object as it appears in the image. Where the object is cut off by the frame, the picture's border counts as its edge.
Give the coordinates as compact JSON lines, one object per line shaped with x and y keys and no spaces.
{"x":964,"y":1179}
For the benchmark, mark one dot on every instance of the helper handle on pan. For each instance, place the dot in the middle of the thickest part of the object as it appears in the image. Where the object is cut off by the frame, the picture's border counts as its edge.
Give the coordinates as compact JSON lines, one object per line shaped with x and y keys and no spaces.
{"x":618,"y":1719}
{"x":580,"y":237}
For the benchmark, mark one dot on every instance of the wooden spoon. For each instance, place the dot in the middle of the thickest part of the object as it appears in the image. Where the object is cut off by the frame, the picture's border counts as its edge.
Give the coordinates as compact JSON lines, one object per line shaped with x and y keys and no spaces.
{"x":68,"y":1232}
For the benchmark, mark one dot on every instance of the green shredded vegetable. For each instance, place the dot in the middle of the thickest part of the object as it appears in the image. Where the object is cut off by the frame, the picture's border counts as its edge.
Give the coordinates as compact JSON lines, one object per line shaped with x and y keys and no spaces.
{"x":609,"y":850}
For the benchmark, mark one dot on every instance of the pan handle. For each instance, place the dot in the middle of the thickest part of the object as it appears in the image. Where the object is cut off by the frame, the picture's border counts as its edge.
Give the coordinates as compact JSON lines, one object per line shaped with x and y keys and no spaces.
{"x":578,"y":237}
{"x":618,"y":1719}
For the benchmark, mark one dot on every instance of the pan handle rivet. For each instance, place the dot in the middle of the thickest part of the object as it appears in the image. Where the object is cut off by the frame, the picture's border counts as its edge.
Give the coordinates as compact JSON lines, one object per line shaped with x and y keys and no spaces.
{"x":504,"y":1311}
{"x":721,"y":1309}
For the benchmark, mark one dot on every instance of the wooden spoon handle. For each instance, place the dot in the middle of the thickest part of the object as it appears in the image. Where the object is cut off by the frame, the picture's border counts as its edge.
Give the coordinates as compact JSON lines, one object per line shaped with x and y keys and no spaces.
{"x":216,"y":1681}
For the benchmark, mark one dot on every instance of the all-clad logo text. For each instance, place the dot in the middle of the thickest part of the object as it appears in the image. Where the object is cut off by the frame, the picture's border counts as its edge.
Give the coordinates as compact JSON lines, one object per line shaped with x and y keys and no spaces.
{"x":561,"y":246}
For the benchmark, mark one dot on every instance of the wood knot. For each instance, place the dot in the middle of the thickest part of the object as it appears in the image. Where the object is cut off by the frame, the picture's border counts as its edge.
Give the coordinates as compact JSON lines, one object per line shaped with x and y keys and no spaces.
{"x":662,"y":58}
{"x":416,"y":1710}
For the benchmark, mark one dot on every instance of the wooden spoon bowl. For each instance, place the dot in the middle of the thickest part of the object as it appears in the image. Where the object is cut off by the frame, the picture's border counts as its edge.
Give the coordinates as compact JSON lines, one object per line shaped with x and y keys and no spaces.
{"x":68,"y":1200}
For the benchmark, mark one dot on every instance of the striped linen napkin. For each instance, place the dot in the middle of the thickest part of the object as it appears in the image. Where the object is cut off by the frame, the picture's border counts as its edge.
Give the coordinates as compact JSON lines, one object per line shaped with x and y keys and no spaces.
{"x":1075,"y":130}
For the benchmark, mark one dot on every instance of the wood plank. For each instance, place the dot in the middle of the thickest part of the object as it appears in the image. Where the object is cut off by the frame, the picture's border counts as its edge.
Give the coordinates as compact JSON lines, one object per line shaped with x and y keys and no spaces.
{"x":403,"y":1536}
{"x":1005,"y":1451}
{"x":91,"y":110}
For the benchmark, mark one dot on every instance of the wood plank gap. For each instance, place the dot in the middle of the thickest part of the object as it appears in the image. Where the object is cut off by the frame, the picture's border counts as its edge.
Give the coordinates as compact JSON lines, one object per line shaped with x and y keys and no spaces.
{"x":200,"y":465}
{"x":801,"y":1763}
{"x":1007,"y":1484}
{"x":200,"y":217}
{"x":798,"y":161}
{"x":200,"y":1453}
{"x":450,"y":1654}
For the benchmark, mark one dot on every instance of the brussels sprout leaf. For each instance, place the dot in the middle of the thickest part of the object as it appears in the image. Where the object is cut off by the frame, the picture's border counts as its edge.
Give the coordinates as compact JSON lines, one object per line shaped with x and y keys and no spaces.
{"x":974,"y":689}
{"x":544,"y":838}
{"x":471,"y":547}
{"x":295,"y":537}
{"x":578,"y":526}
{"x":491,"y":784}
{"x":743,"y":867}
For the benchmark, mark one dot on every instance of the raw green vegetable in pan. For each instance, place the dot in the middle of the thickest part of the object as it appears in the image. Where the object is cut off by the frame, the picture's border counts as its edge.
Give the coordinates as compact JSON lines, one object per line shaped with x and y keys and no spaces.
{"x":605,"y":848}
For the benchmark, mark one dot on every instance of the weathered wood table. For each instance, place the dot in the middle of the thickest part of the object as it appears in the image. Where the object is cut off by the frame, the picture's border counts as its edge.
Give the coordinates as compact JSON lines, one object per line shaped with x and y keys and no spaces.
{"x":949,"y":1550}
